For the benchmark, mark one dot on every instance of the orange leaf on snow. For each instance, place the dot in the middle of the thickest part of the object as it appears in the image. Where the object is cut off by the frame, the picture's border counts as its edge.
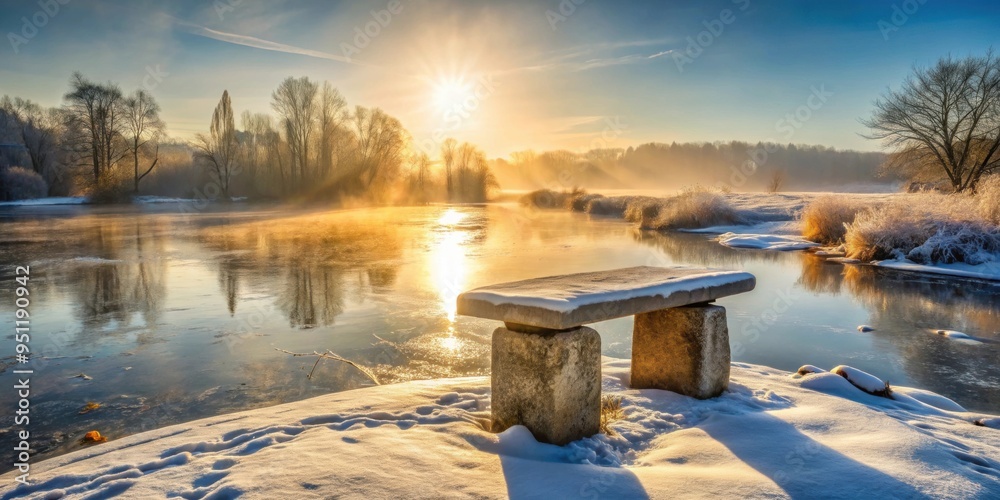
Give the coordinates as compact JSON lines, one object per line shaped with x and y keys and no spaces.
{"x":94,"y":437}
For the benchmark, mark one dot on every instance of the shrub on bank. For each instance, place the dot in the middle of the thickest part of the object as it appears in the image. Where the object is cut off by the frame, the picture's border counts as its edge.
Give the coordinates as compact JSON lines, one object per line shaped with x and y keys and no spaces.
{"x":928,"y":229}
{"x":696,"y":208}
{"x":578,"y":201}
{"x":825,"y":220}
{"x":547,"y":198}
{"x":17,"y":183}
{"x":988,"y":198}
{"x":643,"y":212}
{"x":612,"y":207}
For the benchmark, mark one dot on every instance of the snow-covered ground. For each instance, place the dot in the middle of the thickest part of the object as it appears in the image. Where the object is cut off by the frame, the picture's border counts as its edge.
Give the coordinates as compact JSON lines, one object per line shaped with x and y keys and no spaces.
{"x":63,"y":200}
{"x":772,"y":434}
{"x":765,"y":241}
{"x":988,"y":270}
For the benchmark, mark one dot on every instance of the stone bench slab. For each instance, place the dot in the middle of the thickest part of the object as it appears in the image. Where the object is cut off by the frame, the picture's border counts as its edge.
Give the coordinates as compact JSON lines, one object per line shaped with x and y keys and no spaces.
{"x":571,"y":300}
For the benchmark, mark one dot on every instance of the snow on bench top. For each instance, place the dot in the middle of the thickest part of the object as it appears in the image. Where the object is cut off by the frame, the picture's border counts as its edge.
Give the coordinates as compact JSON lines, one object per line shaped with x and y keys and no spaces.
{"x":570,"y":300}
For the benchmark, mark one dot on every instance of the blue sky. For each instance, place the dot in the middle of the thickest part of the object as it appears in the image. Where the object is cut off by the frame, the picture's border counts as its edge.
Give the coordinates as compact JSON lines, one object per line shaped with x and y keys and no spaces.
{"x":513,"y":75}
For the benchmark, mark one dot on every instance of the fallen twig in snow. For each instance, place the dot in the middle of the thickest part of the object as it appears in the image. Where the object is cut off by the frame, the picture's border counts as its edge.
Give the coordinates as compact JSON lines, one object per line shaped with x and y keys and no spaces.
{"x":334,"y":356}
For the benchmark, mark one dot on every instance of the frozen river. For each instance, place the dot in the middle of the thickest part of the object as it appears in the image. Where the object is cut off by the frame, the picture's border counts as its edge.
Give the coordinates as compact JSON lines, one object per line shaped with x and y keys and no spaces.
{"x":177,"y":316}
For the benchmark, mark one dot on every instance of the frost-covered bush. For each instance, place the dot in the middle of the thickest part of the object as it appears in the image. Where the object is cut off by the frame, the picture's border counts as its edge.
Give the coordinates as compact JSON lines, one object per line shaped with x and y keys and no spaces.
{"x":642,"y":211}
{"x":889,"y":232}
{"x":971,"y":242}
{"x":547,"y":198}
{"x":578,"y":201}
{"x":825,"y":220}
{"x":18,"y":183}
{"x":613,"y":206}
{"x":696,"y":208}
{"x":988,"y":198}
{"x":927,"y":228}
{"x":113,"y":188}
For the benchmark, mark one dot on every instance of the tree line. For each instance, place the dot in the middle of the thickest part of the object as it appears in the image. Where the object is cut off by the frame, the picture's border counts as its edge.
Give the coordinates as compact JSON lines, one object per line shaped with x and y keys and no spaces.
{"x":734,"y":165}
{"x":111,"y":145}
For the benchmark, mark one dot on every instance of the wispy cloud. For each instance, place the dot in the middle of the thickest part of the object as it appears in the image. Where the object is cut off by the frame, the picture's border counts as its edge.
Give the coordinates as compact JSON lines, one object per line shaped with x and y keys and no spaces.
{"x":260,"y":43}
{"x":581,"y":58}
{"x":660,"y":54}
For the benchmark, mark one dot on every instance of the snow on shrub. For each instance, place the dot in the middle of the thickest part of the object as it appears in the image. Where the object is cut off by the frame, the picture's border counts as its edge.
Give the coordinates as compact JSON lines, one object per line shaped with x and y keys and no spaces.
{"x":810,"y":369}
{"x":578,"y":201}
{"x":642,"y":211}
{"x":825,"y":220}
{"x":971,"y":242}
{"x":864,"y":381}
{"x":614,"y":206}
{"x":886,"y":233}
{"x":17,"y":183}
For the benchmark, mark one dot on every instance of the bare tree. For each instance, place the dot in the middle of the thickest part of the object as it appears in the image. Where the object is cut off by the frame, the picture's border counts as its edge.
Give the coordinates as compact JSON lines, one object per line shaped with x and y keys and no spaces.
{"x":219,"y":148}
{"x":448,"y":149}
{"x":473,"y":178}
{"x":94,"y":111}
{"x":381,"y":145}
{"x":945,"y":118}
{"x":143,"y":130}
{"x":295,"y":102}
{"x":37,"y":129}
{"x":420,"y":177}
{"x":777,"y":180}
{"x":331,"y":119}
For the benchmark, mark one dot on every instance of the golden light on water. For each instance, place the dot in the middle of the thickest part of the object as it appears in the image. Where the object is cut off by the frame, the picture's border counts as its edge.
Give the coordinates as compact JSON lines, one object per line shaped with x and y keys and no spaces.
{"x":449,"y":263}
{"x":450,"y":343}
{"x":451,"y":217}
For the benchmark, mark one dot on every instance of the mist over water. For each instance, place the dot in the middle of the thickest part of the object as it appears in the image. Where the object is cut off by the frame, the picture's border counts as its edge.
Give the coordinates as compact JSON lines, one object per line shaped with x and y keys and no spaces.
{"x":178,"y":316}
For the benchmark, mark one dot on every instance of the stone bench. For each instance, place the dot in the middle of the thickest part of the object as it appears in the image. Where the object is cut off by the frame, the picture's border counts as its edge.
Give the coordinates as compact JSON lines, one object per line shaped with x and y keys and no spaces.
{"x":546,"y":372}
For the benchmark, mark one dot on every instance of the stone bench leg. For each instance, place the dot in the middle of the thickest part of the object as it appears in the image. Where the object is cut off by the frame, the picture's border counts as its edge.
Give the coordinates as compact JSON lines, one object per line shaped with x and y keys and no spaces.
{"x":547,"y":381}
{"x":683,"y":350}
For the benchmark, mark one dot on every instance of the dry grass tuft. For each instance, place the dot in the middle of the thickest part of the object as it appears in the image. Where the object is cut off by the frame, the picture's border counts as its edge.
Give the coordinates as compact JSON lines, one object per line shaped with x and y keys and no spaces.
{"x":825,"y":220}
{"x":611,"y":411}
{"x":696,"y":208}
{"x":988,"y":198}
{"x":643,"y":212}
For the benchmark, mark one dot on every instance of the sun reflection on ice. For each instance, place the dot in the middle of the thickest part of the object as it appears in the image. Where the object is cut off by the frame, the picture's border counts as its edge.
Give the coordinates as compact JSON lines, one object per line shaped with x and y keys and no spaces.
{"x":449,"y":267}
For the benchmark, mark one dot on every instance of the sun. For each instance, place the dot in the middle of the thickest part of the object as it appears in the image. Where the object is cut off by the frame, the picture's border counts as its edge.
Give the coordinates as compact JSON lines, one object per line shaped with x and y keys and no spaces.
{"x":451,"y":94}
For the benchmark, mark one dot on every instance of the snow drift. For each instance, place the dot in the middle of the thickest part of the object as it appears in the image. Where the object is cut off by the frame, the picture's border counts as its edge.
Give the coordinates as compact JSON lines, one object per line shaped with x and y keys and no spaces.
{"x":772,"y":434}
